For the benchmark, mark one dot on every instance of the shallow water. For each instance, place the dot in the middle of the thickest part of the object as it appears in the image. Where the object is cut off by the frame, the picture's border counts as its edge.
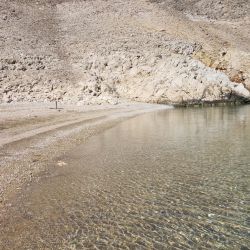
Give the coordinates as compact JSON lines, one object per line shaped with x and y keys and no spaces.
{"x":174,"y":179}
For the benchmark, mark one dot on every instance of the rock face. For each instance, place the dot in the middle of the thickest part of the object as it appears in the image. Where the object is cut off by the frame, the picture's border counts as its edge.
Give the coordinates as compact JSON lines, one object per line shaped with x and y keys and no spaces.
{"x":106,"y":51}
{"x":159,"y":78}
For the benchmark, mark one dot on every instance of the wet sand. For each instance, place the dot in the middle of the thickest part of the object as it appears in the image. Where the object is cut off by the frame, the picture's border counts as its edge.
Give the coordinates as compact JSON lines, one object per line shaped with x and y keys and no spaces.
{"x":32,"y":134}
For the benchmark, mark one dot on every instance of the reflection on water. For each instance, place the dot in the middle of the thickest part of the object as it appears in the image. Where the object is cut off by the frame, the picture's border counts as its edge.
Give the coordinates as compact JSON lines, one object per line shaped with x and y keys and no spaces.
{"x":174,"y":179}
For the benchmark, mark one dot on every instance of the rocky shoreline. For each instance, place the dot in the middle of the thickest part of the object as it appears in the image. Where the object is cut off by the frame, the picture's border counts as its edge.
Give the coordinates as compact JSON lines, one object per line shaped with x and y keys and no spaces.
{"x":197,"y":104}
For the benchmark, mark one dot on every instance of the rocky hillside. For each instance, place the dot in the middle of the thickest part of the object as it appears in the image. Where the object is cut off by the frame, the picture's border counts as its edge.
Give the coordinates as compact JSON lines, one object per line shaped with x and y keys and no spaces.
{"x":211,"y":9}
{"x":100,"y":51}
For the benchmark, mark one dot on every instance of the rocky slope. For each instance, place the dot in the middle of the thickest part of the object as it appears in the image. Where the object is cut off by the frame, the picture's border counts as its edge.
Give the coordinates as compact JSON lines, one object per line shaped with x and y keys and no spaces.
{"x":212,"y":9}
{"x":99,"y":51}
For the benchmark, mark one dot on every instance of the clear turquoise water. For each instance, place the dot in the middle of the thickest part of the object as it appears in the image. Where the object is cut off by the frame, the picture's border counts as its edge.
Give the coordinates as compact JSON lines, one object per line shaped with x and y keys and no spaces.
{"x":174,"y":179}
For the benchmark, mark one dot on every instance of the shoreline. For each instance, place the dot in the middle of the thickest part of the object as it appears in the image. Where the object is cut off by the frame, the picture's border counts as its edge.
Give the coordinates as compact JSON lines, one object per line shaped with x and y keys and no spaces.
{"x":35,"y":135}
{"x":32,"y":135}
{"x":211,"y":104}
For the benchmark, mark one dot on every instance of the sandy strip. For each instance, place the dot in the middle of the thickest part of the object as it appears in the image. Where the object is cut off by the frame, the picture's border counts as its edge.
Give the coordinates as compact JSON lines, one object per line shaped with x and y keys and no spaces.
{"x":31,"y":135}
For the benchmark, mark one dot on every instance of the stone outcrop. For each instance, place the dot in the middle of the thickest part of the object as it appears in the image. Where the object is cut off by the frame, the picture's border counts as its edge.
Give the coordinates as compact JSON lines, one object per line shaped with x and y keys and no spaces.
{"x":156,"y":78}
